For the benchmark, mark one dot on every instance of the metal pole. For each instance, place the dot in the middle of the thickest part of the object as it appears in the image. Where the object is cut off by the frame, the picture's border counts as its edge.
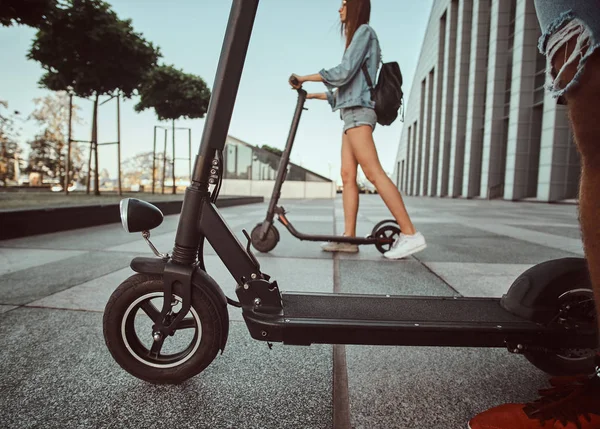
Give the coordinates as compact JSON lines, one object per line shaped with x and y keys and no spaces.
{"x":164,"y":163}
{"x":95,"y":139}
{"x":226,"y":84}
{"x":154,"y":162}
{"x":119,"y":140}
{"x":190,"y":153}
{"x":174,"y":190}
{"x":89,"y":178}
{"x":68,"y":166}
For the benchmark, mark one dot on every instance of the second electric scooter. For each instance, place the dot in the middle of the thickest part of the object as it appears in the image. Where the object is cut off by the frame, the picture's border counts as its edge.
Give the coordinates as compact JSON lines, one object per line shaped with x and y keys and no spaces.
{"x":265,"y":236}
{"x":168,"y":322}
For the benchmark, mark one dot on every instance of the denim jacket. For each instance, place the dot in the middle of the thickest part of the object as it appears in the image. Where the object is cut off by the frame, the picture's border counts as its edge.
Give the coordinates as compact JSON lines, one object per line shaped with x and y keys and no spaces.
{"x":347,"y":79}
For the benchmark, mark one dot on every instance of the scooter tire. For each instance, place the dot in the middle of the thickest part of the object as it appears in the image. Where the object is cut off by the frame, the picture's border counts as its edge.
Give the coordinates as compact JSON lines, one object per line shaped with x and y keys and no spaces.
{"x":388,"y":231}
{"x":383,"y":222}
{"x":574,"y":361}
{"x":556,"y":365}
{"x":118,"y":336}
{"x":269,"y":242}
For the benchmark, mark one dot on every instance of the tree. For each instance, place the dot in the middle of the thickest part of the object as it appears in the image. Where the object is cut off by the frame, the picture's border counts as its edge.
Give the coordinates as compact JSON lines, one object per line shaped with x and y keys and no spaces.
{"x":88,"y":50}
{"x":174,"y":95}
{"x":26,"y":12}
{"x":52,"y":113}
{"x":139,"y":167}
{"x":10,"y":161}
{"x":42,"y":156}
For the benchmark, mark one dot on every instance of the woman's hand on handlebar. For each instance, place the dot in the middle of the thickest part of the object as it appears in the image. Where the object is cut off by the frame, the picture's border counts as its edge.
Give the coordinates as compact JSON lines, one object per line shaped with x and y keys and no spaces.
{"x":296,"y":81}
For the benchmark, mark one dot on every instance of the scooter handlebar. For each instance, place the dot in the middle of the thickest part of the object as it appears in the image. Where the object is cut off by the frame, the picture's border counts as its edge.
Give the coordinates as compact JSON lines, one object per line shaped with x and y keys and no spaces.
{"x":294,"y":81}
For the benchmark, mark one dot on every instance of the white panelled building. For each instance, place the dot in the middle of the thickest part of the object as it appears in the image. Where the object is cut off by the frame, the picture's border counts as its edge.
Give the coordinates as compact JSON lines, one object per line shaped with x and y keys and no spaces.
{"x":479,"y":122}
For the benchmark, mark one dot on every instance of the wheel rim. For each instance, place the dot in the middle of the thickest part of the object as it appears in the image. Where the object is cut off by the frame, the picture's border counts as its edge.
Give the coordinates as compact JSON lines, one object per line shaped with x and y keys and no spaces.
{"x":581,"y":297}
{"x":389,"y":232}
{"x":152,"y":355}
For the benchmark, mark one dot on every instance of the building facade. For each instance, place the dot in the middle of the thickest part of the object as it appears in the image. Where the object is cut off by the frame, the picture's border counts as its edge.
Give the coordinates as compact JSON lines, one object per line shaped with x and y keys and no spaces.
{"x":479,"y":122}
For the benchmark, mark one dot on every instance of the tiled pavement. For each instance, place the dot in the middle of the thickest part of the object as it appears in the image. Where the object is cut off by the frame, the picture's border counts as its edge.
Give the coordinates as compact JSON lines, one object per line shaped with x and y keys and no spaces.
{"x":57,"y":373}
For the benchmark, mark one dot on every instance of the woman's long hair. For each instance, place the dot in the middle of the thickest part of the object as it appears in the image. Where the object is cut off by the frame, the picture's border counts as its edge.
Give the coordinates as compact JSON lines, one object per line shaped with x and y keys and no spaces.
{"x":358,"y":12}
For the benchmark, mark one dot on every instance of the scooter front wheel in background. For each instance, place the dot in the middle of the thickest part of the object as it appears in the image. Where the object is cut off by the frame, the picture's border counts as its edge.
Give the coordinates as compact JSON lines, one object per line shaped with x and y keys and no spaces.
{"x":128,"y":318}
{"x":387,"y":232}
{"x":268,"y":243}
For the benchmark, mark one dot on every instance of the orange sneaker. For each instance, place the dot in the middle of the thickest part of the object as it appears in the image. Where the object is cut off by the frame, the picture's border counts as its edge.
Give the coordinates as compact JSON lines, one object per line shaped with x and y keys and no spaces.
{"x":572,"y":403}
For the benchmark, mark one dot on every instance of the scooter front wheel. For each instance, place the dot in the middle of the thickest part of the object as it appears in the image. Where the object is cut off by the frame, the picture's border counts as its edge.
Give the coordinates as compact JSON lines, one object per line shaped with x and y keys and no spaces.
{"x":128,"y":318}
{"x":268,"y":243}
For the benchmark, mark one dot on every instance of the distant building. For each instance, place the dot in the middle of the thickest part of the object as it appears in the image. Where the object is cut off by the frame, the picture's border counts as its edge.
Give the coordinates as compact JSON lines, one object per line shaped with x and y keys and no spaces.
{"x":479,"y":122}
{"x":249,"y":170}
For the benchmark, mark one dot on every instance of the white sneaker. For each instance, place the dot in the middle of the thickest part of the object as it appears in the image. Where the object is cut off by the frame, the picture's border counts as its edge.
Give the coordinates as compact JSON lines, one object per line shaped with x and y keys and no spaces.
{"x":339,"y":247}
{"x":406,"y":245}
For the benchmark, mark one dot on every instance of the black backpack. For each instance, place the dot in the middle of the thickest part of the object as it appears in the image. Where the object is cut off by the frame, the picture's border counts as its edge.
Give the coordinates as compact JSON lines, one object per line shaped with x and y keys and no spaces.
{"x":387,"y":95}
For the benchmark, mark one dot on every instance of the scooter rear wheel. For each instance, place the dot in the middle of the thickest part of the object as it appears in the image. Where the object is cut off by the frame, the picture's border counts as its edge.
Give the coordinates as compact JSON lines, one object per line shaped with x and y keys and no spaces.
{"x":387,"y":231}
{"x":383,"y":222}
{"x":128,"y":318}
{"x":268,"y":243}
{"x":578,"y":309}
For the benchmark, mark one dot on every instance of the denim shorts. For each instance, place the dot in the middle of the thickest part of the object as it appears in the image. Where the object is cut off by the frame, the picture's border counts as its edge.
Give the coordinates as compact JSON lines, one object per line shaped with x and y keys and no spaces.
{"x":356,"y":116}
{"x":562,"y":21}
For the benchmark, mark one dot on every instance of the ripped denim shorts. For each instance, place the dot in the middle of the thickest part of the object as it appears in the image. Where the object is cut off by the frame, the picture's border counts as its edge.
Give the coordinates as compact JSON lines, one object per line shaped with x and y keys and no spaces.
{"x":562,"y":21}
{"x":356,"y":116}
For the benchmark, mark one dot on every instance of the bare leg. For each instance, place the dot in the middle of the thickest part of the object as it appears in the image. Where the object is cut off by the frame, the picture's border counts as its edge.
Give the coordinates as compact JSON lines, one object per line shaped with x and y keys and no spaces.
{"x":350,"y":191}
{"x":584,"y":115}
{"x":363,"y":147}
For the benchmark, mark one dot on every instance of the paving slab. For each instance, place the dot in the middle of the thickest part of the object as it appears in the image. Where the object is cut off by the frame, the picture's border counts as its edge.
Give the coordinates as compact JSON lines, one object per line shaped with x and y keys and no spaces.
{"x":308,"y":275}
{"x":71,"y":381}
{"x":12,"y":260}
{"x":478,"y":280}
{"x":547,"y":240}
{"x":28,"y":285}
{"x":395,"y":278}
{"x":89,"y":296}
{"x":96,"y":238}
{"x":429,"y":387}
{"x":5,"y":308}
{"x":573,"y":232}
{"x":504,"y":250}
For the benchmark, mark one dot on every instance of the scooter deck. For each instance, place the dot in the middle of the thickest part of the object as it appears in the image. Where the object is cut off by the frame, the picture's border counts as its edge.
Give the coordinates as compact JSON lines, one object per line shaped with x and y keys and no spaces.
{"x":411,"y":321}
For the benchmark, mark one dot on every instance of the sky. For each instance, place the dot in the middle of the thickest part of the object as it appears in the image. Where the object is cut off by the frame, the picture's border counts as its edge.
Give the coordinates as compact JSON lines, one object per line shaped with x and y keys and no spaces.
{"x":289,"y":37}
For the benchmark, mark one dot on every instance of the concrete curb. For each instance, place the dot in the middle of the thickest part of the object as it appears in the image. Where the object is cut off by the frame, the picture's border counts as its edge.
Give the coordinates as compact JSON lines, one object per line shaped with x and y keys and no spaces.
{"x":23,"y":223}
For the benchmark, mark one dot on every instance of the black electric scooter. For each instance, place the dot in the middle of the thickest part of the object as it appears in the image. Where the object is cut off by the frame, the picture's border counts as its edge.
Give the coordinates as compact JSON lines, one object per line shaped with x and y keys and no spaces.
{"x":548,"y":315}
{"x":265,"y":236}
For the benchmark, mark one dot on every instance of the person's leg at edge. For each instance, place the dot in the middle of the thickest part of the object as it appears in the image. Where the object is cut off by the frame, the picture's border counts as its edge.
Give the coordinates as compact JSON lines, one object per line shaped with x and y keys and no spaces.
{"x":575,"y":404}
{"x":350,"y":188}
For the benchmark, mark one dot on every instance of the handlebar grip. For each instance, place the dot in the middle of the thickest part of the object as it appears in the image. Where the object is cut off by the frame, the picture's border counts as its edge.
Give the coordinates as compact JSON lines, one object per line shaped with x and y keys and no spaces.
{"x":294,"y":81}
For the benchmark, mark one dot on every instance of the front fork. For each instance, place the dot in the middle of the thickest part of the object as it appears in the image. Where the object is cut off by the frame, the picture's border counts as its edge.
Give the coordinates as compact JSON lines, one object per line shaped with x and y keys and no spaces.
{"x":255,"y":290}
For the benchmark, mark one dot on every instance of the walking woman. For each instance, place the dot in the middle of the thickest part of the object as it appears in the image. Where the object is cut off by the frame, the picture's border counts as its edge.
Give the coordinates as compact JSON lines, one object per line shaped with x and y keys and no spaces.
{"x":348,"y":92}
